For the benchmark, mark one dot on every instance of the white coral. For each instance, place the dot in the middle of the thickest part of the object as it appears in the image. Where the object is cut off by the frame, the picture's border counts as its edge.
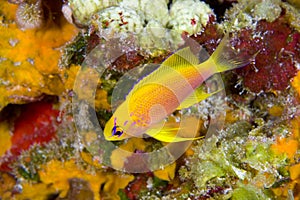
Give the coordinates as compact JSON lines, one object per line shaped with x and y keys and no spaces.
{"x":119,"y":19}
{"x":84,"y":9}
{"x":152,"y":9}
{"x":190,"y":16}
{"x":150,"y":21}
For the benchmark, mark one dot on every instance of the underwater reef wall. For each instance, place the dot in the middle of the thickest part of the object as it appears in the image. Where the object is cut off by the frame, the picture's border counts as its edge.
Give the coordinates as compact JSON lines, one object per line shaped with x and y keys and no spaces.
{"x":63,"y":65}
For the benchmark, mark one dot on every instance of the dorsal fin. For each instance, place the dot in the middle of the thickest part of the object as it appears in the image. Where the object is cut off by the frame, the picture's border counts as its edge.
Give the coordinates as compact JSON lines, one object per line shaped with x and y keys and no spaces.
{"x":181,"y":57}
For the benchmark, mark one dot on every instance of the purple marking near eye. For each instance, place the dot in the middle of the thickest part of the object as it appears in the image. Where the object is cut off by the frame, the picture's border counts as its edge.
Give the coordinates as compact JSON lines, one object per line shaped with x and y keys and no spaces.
{"x":125,"y":122}
{"x":114,"y":129}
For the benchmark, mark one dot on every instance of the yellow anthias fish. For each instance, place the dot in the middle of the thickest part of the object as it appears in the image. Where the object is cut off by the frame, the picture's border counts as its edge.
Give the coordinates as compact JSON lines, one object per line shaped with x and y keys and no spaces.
{"x":175,"y":84}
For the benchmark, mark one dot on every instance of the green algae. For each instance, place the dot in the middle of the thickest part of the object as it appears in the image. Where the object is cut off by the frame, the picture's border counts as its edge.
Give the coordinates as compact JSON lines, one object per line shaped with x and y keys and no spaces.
{"x":267,"y":10}
{"x":242,"y":193}
{"x":239,"y":160}
{"x":295,"y":3}
{"x":292,"y":14}
{"x":74,"y":52}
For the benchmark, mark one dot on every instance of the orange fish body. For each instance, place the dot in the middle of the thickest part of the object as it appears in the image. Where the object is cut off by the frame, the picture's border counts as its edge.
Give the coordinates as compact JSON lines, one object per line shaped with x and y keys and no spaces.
{"x":156,"y":98}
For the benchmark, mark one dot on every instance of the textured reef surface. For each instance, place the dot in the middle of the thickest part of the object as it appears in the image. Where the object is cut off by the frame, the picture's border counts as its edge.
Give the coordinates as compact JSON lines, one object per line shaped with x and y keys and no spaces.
{"x":49,"y":53}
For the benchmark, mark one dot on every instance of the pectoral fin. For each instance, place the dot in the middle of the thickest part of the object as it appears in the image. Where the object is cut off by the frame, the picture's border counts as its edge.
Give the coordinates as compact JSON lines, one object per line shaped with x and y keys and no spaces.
{"x":198,"y":95}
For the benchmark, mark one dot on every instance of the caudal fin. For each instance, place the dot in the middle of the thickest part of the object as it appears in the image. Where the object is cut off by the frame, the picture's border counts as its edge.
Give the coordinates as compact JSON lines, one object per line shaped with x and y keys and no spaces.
{"x":226,"y":57}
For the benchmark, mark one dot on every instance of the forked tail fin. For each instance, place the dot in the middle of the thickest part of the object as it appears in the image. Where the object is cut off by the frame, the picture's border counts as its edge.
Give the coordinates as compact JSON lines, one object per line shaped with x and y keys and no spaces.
{"x":227,"y":58}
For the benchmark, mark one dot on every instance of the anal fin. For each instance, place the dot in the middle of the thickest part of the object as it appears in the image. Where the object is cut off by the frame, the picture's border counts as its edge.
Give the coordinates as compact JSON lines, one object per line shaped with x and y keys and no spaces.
{"x":169,"y":133}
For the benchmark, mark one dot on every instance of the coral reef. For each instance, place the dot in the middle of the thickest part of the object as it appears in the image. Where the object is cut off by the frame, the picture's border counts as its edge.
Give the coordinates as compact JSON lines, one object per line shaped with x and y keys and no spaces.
{"x":254,"y":155}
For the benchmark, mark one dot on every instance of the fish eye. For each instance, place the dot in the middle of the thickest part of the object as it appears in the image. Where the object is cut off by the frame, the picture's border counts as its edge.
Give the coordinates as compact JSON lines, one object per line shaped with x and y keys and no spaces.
{"x":117,"y":131}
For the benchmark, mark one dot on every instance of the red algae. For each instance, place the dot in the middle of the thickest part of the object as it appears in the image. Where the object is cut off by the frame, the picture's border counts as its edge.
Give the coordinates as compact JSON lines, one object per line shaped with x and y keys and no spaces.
{"x":138,"y":184}
{"x":124,"y":54}
{"x":210,"y":37}
{"x":36,"y":124}
{"x":279,"y":49}
{"x":128,"y":61}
